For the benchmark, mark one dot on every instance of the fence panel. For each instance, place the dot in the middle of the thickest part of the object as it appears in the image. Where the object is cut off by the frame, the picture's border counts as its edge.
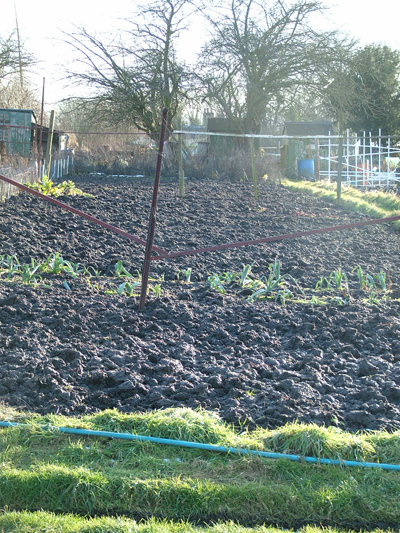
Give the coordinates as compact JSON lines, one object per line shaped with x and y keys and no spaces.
{"x":23,"y":175}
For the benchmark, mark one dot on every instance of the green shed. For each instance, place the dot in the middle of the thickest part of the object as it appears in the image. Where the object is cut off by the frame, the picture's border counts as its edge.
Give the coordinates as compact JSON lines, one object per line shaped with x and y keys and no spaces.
{"x":16,"y":131}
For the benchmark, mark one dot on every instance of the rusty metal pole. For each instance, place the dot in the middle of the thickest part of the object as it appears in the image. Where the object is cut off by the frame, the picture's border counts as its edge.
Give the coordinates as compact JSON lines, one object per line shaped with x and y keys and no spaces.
{"x":152,"y":220}
{"x":41,"y":133}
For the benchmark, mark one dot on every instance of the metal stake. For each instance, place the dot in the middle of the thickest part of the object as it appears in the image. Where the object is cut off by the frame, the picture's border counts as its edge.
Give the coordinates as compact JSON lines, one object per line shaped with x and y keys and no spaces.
{"x":152,"y":220}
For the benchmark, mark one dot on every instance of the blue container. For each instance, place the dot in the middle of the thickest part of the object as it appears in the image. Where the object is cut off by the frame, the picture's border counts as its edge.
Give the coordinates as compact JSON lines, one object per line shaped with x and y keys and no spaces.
{"x":306,"y":168}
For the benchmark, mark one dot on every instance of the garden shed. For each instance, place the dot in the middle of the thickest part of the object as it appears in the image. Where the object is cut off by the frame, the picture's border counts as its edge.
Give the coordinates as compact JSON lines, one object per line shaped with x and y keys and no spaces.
{"x":222,"y":145}
{"x":299,"y":146}
{"x":16,"y":131}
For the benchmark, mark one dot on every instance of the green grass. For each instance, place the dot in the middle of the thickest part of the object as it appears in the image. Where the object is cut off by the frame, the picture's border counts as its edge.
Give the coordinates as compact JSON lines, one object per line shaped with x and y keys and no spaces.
{"x":99,"y":477}
{"x":43,"y":522}
{"x":376,"y":204}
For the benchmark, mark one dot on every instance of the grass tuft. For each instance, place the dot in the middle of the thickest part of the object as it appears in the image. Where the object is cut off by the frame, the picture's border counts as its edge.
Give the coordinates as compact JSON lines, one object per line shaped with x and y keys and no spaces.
{"x":316,"y":441}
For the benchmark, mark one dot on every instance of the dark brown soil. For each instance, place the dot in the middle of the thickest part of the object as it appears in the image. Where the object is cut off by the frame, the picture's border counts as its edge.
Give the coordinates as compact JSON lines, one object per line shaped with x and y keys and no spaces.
{"x":259,"y":362}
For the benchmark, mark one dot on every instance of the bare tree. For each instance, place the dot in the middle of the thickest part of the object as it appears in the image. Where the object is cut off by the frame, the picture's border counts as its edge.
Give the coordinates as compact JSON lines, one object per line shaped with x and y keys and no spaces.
{"x":13,"y":56}
{"x":259,"y":55}
{"x":17,"y":96}
{"x":133,"y":78}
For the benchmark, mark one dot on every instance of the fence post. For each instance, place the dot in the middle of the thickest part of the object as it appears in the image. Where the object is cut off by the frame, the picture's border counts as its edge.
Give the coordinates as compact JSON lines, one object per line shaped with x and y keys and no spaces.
{"x":253,"y":168}
{"x":364,"y":173}
{"x":329,"y":156}
{"x":41,"y":134}
{"x":152,"y":219}
{"x":340,"y":160}
{"x":180,"y":162}
{"x":47,"y":164}
{"x":371,"y":162}
{"x":317,"y":160}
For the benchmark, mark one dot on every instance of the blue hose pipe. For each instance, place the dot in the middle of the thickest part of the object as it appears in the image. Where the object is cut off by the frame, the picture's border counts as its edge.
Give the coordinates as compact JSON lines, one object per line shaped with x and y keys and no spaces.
{"x":208,"y":447}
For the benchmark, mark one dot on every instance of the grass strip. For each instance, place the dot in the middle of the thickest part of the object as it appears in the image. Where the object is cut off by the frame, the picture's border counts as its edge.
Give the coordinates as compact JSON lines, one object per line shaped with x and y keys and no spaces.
{"x":377,"y":204}
{"x":287,"y":495}
{"x":84,"y":476}
{"x":43,"y":522}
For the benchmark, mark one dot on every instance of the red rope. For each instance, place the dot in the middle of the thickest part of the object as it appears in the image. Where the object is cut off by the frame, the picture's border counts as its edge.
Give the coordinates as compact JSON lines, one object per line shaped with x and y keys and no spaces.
{"x":172,"y":255}
{"x":275,"y":238}
{"x":80,"y":213}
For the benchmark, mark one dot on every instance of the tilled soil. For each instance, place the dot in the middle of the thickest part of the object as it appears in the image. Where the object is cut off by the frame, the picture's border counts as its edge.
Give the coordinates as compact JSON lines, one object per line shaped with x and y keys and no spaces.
{"x":258,"y":362}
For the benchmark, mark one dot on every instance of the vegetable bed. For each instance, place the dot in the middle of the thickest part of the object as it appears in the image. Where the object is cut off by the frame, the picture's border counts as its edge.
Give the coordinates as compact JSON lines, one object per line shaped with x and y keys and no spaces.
{"x":303,"y":329}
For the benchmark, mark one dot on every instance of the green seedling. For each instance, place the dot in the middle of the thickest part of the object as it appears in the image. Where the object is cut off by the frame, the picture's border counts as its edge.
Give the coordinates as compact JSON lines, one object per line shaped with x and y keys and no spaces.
{"x":339,"y":278}
{"x":29,"y":273}
{"x":187,"y":274}
{"x":216,"y":283}
{"x":127,"y":288}
{"x":381,"y":278}
{"x":274,"y":282}
{"x":361,"y":277}
{"x":8,"y":261}
{"x":55,"y":264}
{"x":91,"y":271}
{"x":370,"y":283}
{"x":229,"y":277}
{"x":156,"y":290}
{"x":323,"y":281}
{"x":283,"y":295}
{"x":70,"y":189}
{"x":121,"y":271}
{"x":9,"y":264}
{"x":317,"y":301}
{"x":244,"y":278}
{"x":74,"y":269}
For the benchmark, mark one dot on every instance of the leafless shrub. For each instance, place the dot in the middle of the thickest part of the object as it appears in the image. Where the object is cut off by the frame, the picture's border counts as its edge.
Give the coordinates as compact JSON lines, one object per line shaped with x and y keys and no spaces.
{"x":235,"y":167}
{"x":137,"y":160}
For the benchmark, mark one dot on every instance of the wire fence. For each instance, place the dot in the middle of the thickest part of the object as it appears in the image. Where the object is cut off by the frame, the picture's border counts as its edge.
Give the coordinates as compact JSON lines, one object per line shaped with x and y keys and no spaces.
{"x":26,"y":174}
{"x":368,"y":161}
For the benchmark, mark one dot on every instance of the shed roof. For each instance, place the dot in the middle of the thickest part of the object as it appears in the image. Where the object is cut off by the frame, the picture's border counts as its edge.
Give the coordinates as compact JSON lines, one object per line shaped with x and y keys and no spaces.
{"x":8,"y":110}
{"x":299,"y":129}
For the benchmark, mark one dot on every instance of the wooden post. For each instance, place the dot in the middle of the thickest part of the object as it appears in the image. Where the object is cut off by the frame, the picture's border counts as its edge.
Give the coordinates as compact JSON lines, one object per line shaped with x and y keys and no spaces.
{"x":329,"y":157}
{"x":317,"y":160}
{"x":180,"y":163}
{"x":41,"y":134}
{"x":340,"y":160}
{"x":253,"y":168}
{"x":47,"y":163}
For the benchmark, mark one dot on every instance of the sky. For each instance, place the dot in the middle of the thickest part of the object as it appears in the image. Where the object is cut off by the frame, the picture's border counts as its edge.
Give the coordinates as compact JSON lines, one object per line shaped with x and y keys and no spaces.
{"x":41,"y":23}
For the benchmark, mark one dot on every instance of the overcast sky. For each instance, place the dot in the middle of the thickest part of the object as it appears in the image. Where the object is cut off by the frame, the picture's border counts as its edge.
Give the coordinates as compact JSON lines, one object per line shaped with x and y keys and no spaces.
{"x":41,"y":23}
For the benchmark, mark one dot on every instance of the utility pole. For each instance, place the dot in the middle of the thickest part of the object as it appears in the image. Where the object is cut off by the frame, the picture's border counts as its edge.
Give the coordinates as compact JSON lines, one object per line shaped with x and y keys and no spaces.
{"x":21,"y":76}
